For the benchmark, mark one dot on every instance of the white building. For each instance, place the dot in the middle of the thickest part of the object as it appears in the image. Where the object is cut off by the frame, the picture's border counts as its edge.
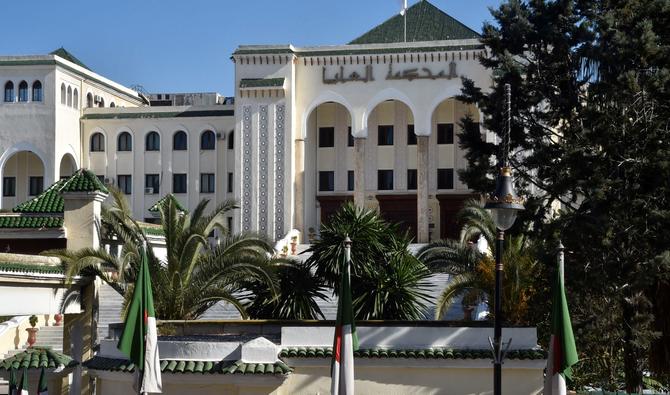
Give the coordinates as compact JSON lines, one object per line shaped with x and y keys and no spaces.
{"x":374,"y":121}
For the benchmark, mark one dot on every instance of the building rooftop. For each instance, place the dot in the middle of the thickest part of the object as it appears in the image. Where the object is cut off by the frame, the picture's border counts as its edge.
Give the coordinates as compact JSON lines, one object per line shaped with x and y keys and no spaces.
{"x":425,"y":22}
{"x":65,"y":54}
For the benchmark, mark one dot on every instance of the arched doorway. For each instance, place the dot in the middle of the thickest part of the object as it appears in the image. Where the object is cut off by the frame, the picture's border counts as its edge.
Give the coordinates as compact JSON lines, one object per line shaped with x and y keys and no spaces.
{"x":391,"y":163}
{"x":67,"y":166}
{"x":329,"y":163}
{"x":22,"y":178}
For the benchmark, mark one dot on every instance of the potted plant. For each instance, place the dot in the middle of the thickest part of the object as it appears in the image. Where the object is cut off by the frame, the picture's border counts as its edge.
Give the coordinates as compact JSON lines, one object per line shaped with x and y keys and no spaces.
{"x":59,"y":319}
{"x":284,"y":251}
{"x":32,"y":331}
{"x":294,"y":245}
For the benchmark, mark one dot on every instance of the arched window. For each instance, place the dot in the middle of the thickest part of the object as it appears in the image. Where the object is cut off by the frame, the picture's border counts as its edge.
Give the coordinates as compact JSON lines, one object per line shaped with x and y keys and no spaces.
{"x":125,"y":142}
{"x":37,"y":91}
{"x":9,"y":91}
{"x":69,"y":96}
{"x":89,"y":100}
{"x":207,"y":140}
{"x":62,"y":94}
{"x":112,"y":104}
{"x":231,"y":140}
{"x":23,"y":91}
{"x":153,"y":142}
{"x":101,"y":103}
{"x":179,"y":141}
{"x":97,"y":142}
{"x":75,"y":98}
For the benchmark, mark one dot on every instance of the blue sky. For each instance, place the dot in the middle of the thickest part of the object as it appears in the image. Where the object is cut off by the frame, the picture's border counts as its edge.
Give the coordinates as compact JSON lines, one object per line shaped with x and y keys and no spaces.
{"x":185,"y":46}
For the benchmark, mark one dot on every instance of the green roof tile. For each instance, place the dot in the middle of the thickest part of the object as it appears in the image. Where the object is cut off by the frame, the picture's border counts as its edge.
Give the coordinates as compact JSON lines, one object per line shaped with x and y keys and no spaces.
{"x":83,"y":181}
{"x":262,"y":82}
{"x":156,"y":207}
{"x":30,"y":221}
{"x":49,"y":201}
{"x":37,"y":358}
{"x":427,"y":353}
{"x":425,"y":22}
{"x":30,"y":268}
{"x":193,"y":367}
{"x":63,"y":53}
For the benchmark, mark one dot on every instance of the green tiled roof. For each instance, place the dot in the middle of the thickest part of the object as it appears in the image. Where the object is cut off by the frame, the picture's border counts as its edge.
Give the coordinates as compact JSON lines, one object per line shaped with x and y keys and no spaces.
{"x":425,"y":22}
{"x":30,"y":268}
{"x":156,"y":206}
{"x":63,"y":53}
{"x":201,"y":367}
{"x":261,"y":82}
{"x":30,"y":221}
{"x":428,"y":353}
{"x":83,"y":181}
{"x":151,"y":230}
{"x":37,"y":358}
{"x":51,"y":200}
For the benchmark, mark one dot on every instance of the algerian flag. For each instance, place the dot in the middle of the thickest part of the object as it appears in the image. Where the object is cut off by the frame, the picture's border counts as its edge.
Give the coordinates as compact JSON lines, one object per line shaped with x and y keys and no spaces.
{"x":139,"y":340}
{"x":404,"y":8}
{"x":562,"y":349}
{"x":12,"y":382}
{"x":23,"y":388}
{"x":42,"y":386}
{"x":346,"y":341}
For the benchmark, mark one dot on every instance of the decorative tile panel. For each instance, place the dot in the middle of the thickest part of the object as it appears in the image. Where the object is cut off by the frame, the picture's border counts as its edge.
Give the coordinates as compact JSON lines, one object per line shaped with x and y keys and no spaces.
{"x":246,"y":168}
{"x":263,"y":169}
{"x":279,"y":170}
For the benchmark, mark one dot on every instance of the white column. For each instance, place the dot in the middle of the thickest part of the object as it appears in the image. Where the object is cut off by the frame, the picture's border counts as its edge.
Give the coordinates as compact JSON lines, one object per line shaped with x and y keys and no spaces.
{"x":422,"y":189}
{"x":359,"y":172}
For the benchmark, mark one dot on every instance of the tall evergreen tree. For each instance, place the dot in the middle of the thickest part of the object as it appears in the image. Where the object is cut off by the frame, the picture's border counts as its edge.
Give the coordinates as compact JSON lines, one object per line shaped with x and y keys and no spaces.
{"x":590,"y":130}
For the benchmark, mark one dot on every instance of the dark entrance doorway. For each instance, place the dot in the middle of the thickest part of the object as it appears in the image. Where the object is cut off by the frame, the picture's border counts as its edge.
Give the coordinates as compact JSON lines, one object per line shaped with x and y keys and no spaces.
{"x":400,"y":209}
{"x":450,"y":205}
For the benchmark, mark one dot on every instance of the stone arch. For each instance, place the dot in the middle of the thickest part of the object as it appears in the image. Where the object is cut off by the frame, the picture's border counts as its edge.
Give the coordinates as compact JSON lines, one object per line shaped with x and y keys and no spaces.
{"x":448,"y":93}
{"x":67,"y":166}
{"x":391,"y":94}
{"x":24,"y":146}
{"x":325,"y":97}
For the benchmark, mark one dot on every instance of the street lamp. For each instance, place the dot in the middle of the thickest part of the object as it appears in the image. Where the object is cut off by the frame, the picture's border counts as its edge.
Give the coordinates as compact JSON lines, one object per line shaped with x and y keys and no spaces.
{"x":504,"y":205}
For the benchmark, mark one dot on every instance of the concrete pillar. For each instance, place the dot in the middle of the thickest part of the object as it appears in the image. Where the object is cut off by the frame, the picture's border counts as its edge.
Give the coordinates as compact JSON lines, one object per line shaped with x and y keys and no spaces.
{"x":81,"y":219}
{"x":299,"y":187}
{"x":422,"y":189}
{"x":359,"y":172}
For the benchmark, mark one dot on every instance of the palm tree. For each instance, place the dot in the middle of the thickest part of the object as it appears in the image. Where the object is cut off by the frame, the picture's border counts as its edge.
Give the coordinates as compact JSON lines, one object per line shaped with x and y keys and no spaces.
{"x":387,"y":281}
{"x":473,"y":271}
{"x":296,"y":297}
{"x":194,"y":275}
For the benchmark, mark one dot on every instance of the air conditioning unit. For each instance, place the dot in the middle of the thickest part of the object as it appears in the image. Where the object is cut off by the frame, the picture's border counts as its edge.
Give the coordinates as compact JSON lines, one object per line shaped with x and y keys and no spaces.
{"x":97,"y":99}
{"x":148,"y":191}
{"x":220,"y":136}
{"x":109,"y":181}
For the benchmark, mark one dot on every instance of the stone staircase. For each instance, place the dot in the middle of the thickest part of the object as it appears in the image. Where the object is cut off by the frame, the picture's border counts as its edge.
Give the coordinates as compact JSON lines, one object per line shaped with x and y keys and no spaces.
{"x":110,"y":305}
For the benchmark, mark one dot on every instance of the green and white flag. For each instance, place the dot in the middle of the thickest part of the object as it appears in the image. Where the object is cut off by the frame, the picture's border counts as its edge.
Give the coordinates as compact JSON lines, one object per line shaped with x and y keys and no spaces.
{"x":42,"y":388}
{"x":562,"y":349}
{"x":139,"y":340}
{"x":346,"y":341}
{"x":23,"y":388}
{"x":13,"y":385}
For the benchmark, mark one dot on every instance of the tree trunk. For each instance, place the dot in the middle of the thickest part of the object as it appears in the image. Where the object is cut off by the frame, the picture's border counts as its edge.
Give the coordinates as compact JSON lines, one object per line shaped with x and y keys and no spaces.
{"x":632,"y":373}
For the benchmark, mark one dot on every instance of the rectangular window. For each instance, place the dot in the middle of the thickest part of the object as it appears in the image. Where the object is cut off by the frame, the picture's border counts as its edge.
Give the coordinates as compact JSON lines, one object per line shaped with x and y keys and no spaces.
{"x":36,"y":185}
{"x":230,"y":182}
{"x":445,"y":178}
{"x":179,"y":183}
{"x":350,"y":180}
{"x":125,"y":183}
{"x":326,"y":137}
{"x":152,"y":181}
{"x":385,"y":180}
{"x":9,"y":186}
{"x":101,"y":178}
{"x":230,"y":224}
{"x":411,"y":179}
{"x":152,"y":220}
{"x":350,"y":138}
{"x":206,"y":182}
{"x":326,"y":181}
{"x":445,"y":133}
{"x":385,"y":135}
{"x":411,"y":137}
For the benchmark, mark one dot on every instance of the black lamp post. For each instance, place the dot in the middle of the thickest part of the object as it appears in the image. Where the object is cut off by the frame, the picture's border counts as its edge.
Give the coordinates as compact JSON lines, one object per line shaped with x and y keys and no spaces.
{"x":504,"y":205}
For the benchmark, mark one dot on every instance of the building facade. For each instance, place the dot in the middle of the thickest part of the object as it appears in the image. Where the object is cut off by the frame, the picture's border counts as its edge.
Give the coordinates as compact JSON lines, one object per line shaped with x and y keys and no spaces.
{"x":375,"y":121}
